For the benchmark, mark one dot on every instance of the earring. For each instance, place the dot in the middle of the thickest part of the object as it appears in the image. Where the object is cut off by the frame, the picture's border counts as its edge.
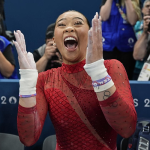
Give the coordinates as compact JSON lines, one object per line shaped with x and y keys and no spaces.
{"x":54,"y":44}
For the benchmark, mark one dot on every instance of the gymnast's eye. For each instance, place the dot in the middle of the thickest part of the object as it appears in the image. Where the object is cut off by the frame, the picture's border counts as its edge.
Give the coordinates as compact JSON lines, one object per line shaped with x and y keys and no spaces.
{"x":78,"y":23}
{"x":61,"y":24}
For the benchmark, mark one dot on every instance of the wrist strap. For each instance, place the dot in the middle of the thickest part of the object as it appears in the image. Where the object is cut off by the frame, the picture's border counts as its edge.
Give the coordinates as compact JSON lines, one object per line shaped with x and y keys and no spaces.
{"x":28,"y":81}
{"x":101,"y":81}
{"x":27,"y":96}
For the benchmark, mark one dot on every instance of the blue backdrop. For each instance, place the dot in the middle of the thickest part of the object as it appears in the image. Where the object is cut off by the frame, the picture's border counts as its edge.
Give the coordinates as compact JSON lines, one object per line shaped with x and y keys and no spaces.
{"x":33,"y":16}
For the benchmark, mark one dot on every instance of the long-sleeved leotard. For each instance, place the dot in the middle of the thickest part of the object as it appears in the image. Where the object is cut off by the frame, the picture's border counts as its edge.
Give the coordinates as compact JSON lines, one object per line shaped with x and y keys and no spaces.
{"x":81,"y":122}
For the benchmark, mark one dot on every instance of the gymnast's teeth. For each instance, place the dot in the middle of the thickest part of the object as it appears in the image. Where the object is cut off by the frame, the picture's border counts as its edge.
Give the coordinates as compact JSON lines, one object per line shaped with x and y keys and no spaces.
{"x":70,"y":38}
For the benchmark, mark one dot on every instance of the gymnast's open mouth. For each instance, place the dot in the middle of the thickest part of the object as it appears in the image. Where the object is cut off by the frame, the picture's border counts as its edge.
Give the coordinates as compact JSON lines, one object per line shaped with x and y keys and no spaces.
{"x":70,"y":43}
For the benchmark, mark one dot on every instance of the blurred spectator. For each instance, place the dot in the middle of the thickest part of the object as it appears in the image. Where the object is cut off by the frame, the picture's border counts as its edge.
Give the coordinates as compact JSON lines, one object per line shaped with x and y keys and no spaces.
{"x":47,"y":56}
{"x":3,"y":31}
{"x":7,"y":61}
{"x":2,"y":18}
{"x":117,"y":31}
{"x":142,"y":46}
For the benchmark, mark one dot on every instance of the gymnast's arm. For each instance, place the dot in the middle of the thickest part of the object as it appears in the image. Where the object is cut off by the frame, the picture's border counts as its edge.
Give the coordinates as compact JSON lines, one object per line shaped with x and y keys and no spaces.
{"x":110,"y":83}
{"x":118,"y":108}
{"x":31,"y":115}
{"x":33,"y":108}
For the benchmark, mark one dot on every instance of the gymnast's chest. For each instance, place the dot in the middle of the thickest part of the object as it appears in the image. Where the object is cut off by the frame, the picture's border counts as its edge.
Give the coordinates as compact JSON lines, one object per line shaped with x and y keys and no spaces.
{"x":66,"y":98}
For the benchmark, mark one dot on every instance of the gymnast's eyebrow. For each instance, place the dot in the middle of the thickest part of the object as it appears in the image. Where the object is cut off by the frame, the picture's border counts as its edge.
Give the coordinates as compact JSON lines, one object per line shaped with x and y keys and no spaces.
{"x":78,"y":18}
{"x":61,"y":19}
{"x":73,"y":18}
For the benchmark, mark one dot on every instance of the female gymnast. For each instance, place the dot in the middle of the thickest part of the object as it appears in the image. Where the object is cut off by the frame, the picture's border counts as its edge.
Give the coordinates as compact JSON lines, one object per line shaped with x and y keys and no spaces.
{"x":89,"y":100}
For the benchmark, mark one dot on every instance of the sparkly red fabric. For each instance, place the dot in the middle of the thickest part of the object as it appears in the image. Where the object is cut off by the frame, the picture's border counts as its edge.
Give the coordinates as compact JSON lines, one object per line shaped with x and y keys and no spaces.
{"x":81,"y":122}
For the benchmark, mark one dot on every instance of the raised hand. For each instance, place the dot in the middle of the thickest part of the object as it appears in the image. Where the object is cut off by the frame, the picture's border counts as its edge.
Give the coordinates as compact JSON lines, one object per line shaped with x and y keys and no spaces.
{"x":26,"y":60}
{"x":95,"y":47}
{"x":146,"y":24}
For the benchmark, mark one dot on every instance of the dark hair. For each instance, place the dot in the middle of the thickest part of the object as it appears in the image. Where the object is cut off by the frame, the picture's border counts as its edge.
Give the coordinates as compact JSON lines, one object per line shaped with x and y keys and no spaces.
{"x":50,"y":31}
{"x":81,"y":14}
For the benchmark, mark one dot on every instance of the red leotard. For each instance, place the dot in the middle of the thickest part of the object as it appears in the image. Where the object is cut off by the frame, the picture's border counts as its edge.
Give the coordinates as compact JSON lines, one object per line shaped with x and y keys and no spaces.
{"x":81,"y":122}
